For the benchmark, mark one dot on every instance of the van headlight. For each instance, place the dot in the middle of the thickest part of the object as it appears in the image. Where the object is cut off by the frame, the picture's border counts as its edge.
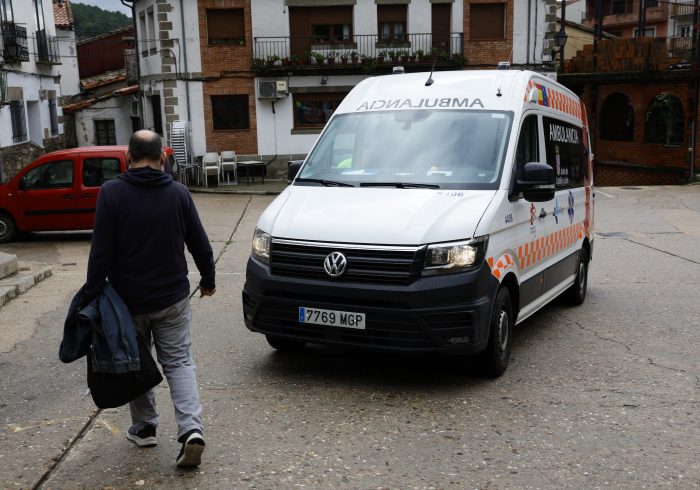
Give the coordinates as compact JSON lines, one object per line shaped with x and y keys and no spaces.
{"x":448,"y":258}
{"x":261,"y":246}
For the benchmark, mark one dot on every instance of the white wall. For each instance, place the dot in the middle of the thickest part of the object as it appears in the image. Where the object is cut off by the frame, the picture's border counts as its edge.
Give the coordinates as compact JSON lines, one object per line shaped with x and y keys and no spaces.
{"x":118,"y":109}
{"x":70,"y":76}
{"x":528,"y":41}
{"x":33,"y":89}
{"x":275,"y":130}
{"x":575,"y":10}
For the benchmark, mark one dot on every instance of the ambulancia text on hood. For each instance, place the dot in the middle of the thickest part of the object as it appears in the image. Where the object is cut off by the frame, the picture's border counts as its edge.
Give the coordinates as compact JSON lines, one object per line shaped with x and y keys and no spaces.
{"x":444,"y":103}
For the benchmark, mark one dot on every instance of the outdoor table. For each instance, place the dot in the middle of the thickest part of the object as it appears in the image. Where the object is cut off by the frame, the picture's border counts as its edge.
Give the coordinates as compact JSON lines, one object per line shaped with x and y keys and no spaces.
{"x":249,"y":165}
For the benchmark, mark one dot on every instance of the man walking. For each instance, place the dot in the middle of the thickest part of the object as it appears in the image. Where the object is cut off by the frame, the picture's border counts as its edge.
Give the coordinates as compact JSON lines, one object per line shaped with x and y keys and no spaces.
{"x":143,"y":222}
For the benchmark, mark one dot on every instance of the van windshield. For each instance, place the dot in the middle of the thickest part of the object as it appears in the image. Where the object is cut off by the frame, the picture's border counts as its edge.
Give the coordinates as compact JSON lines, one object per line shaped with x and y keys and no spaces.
{"x":411,"y":149}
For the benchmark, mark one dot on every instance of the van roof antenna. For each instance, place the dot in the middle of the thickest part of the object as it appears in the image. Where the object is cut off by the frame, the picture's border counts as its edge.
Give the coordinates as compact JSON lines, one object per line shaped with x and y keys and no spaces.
{"x":430,"y":80}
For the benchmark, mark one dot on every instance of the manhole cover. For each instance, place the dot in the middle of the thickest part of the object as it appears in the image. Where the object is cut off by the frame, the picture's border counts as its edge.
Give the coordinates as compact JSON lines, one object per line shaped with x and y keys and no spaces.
{"x":632,"y":188}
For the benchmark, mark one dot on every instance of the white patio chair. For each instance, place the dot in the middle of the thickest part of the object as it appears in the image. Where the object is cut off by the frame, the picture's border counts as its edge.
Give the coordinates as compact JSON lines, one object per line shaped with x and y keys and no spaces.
{"x":211,"y":165}
{"x":229,"y":164}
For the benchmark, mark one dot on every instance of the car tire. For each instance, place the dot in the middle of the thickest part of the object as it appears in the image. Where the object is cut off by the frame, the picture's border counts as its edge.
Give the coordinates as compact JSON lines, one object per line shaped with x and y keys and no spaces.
{"x":576,"y":294}
{"x":284,"y":344}
{"x":8,"y":229}
{"x":494,"y":360}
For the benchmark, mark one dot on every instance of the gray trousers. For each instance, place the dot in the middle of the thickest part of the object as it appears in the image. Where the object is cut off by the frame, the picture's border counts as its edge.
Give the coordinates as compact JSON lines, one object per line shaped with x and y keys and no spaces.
{"x":170,"y":329}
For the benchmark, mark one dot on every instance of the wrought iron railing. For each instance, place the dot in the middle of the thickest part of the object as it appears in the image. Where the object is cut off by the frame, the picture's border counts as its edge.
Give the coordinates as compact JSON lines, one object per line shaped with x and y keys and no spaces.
{"x":14,"y":42}
{"x":46,"y":49}
{"x":369,"y":49}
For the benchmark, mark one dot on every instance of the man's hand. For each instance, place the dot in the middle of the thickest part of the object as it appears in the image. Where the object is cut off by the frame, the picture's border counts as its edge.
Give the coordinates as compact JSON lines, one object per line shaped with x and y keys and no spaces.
{"x":206,"y":292}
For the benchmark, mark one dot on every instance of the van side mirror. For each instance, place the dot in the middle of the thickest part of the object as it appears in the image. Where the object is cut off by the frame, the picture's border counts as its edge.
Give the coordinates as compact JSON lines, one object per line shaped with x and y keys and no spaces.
{"x":293,"y":169}
{"x":538,"y":183}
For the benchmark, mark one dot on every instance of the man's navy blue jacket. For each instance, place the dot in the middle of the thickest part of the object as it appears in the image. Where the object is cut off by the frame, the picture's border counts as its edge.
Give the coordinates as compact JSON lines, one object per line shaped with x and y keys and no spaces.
{"x":143,"y":222}
{"x":105,"y":324}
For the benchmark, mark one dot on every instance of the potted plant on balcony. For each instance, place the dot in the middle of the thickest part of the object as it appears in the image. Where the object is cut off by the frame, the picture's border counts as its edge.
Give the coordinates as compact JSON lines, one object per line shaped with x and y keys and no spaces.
{"x":330,"y":57}
{"x":419,"y":54}
{"x":354,"y":57}
{"x":260,"y":66}
{"x":318,"y":57}
{"x":405,"y":56}
{"x":393,"y":56}
{"x":458,"y":60}
{"x":344,"y":57}
{"x":380,"y":57}
{"x":294,"y":60}
{"x":271,"y":60}
{"x":368,"y":64}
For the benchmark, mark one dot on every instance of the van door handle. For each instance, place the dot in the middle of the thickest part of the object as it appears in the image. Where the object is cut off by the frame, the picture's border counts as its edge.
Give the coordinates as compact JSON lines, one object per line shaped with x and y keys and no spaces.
{"x":86,"y":196}
{"x":68,"y":196}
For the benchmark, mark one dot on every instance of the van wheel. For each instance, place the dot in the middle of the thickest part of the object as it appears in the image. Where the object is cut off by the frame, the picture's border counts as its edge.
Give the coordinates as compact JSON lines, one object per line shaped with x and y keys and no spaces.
{"x":494,"y":360}
{"x":8,"y":229}
{"x":283,"y":344}
{"x":576,"y":293}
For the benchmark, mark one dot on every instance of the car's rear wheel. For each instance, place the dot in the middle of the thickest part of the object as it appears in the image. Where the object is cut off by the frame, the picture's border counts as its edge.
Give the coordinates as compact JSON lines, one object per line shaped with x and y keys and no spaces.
{"x":8,"y":229}
{"x":576,"y":294}
{"x":494,"y":360}
{"x":284,"y":344}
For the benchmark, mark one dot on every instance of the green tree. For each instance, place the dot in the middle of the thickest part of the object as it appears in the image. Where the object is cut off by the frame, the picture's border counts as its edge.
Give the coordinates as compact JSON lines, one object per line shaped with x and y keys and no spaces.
{"x":91,"y":21}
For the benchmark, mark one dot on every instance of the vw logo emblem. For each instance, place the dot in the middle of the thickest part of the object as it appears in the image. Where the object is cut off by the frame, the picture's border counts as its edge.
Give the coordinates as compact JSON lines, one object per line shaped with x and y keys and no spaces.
{"x":335,"y":264}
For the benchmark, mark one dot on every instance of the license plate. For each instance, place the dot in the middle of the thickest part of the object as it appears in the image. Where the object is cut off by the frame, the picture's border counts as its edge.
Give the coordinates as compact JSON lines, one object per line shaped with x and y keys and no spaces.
{"x":331,"y":318}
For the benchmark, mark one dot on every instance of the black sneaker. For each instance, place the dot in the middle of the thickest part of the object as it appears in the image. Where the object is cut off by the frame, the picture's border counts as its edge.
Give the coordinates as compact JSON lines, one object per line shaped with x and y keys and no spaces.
{"x":145,"y":437}
{"x":192,"y":449}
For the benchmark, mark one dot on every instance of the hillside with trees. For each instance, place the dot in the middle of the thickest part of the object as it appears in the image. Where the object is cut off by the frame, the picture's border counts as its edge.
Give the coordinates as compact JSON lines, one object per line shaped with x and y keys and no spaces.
{"x":91,"y":21}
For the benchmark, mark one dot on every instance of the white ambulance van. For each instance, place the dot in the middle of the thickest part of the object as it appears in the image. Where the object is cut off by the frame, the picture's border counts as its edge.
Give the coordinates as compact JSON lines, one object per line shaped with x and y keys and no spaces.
{"x":433,"y":214}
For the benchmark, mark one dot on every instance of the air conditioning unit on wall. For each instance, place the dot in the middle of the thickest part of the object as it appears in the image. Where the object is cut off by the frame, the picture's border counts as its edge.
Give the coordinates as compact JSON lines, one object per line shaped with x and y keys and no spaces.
{"x":272,"y":89}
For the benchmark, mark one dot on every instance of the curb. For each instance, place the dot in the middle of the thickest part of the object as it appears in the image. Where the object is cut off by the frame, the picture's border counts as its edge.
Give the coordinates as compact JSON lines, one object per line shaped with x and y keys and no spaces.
{"x":279,"y":185}
{"x":27,"y":276}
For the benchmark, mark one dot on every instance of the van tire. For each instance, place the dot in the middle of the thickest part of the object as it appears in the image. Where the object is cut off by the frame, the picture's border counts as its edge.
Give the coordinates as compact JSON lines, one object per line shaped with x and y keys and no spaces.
{"x":494,"y":360}
{"x":283,"y":344}
{"x":8,"y":229}
{"x":576,"y":294}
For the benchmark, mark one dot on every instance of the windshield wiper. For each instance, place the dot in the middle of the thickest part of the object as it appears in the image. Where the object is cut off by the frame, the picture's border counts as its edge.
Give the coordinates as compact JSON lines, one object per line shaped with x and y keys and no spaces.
{"x":400,"y":185}
{"x":327,"y":183}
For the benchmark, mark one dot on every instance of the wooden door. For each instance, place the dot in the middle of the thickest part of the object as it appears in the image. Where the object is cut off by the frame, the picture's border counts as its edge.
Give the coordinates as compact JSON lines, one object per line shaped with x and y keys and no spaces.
{"x":441,"y":14}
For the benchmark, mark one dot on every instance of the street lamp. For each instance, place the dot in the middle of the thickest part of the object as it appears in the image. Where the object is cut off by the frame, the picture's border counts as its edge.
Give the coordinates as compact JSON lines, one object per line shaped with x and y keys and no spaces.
{"x":560,"y":41}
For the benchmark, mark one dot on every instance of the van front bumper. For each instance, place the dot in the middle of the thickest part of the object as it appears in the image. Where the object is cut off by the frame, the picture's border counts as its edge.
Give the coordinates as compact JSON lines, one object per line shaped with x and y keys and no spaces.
{"x":447,"y":313}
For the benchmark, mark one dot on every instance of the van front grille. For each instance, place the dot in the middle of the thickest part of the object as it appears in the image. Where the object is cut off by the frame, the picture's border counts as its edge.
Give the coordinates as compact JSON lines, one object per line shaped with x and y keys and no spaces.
{"x":365,"y":264}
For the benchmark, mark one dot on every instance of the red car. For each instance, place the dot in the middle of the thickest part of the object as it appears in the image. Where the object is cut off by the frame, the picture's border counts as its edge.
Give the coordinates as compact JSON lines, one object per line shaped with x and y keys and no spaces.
{"x":59,"y":190}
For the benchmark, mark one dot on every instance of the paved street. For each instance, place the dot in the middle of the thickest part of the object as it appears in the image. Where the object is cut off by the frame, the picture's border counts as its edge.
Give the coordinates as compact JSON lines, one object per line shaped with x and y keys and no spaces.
{"x":603,"y":395}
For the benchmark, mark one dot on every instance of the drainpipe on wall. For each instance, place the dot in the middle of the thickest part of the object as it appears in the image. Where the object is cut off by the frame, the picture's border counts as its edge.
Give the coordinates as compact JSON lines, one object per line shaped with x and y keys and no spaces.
{"x":139,"y":95}
{"x":184,"y":54}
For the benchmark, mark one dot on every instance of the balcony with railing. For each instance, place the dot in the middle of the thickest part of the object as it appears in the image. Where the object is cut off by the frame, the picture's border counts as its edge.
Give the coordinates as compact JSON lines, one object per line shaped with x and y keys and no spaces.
{"x":369,"y":53}
{"x":681,"y":47}
{"x":679,"y":9}
{"x":14,"y":42}
{"x":46,"y":49}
